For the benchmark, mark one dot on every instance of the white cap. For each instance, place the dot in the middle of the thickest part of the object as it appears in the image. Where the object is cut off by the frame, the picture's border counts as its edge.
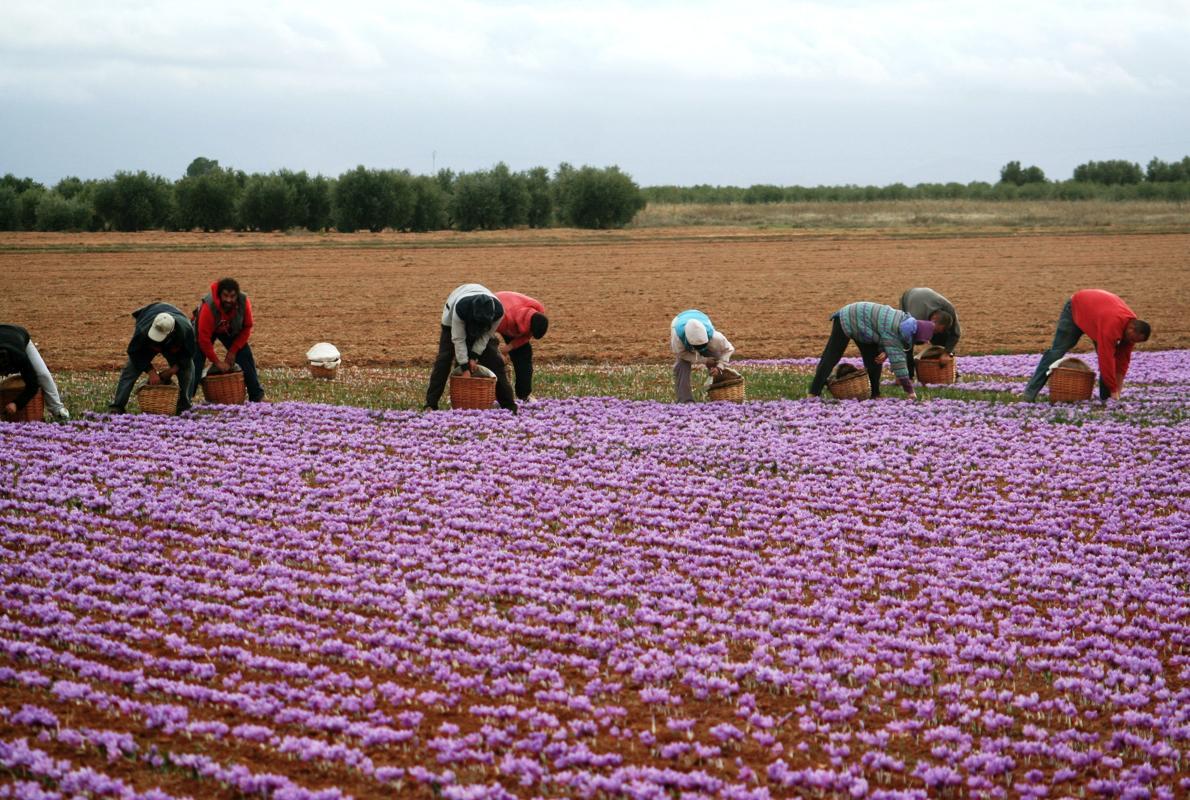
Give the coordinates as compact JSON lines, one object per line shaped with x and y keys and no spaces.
{"x":696,"y":333}
{"x":163,"y":326}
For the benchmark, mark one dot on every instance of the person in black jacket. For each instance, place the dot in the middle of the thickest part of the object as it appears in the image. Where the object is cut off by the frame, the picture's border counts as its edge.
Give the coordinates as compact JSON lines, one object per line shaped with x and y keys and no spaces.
{"x":19,"y":355}
{"x":160,"y":328}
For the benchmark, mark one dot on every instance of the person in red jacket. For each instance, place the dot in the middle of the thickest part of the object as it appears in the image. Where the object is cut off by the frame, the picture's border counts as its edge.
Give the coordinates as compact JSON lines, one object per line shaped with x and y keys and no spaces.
{"x":225,"y":313}
{"x":524,"y":320}
{"x":1110,"y":324}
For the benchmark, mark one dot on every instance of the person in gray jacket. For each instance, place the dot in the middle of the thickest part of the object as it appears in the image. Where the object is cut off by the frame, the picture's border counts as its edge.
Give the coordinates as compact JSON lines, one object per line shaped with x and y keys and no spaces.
{"x":468,"y":337}
{"x":160,"y":329}
{"x":924,"y":303}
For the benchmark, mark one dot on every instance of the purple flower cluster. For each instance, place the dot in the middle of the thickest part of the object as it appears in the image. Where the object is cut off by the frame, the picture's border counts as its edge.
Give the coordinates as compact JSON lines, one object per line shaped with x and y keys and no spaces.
{"x":601,"y":597}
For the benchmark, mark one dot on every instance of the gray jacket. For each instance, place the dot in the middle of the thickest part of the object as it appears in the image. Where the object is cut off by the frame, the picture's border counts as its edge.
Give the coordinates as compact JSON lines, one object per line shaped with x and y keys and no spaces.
{"x":921,"y":302}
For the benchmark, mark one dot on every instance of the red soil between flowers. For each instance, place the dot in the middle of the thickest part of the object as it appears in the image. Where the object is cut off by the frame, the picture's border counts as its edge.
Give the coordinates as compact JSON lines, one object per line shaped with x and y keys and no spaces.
{"x":610,"y":295}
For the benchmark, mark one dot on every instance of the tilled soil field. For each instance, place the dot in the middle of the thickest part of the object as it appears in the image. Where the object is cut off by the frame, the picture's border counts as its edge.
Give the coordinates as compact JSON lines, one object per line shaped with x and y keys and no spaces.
{"x":610,"y":295}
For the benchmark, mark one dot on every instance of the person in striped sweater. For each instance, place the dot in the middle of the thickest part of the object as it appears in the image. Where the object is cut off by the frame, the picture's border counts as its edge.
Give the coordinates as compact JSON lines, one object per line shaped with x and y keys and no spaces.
{"x":874,"y":327}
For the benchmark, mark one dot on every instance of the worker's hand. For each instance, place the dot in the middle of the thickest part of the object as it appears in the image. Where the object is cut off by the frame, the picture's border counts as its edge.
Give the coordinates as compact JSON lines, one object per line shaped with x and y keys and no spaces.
{"x":1115,"y":395}
{"x":471,"y":365}
{"x":225,"y":365}
{"x":881,"y":357}
{"x":504,"y":351}
{"x":154,"y":377}
{"x":715,"y":371}
{"x":10,"y":409}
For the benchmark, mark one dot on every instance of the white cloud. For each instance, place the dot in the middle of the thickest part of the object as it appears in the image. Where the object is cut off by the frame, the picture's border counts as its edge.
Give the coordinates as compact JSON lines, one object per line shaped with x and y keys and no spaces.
{"x":581,"y":79}
{"x":1046,"y":46}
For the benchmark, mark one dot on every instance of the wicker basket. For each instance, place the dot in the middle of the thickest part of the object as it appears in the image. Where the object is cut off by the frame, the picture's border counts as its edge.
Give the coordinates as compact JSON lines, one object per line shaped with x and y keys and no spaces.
{"x":472,"y":392}
{"x":323,"y":373}
{"x":1071,"y":385}
{"x":729,"y":387}
{"x":853,"y":386}
{"x":159,"y":399}
{"x":226,"y":388}
{"x":936,"y":370}
{"x":508,"y":375}
{"x":34,"y":410}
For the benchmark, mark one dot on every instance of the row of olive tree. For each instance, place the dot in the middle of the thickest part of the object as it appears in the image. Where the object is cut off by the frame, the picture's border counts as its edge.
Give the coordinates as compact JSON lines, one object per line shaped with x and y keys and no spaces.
{"x":211,"y":197}
{"x":1107,"y":180}
{"x":1178,"y":192}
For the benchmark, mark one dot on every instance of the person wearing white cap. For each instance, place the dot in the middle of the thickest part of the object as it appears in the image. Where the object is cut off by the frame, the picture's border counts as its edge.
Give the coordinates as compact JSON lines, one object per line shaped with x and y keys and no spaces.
{"x":160,"y":328}
{"x":694,"y":340}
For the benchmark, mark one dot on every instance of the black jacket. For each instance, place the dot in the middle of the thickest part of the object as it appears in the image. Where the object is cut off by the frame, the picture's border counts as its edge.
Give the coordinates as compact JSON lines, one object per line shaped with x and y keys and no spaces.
{"x":13,"y":359}
{"x":179,"y":345}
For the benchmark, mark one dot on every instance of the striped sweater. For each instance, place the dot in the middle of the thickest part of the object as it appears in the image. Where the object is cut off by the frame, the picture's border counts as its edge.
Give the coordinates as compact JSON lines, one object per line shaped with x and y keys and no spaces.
{"x":876,"y":323}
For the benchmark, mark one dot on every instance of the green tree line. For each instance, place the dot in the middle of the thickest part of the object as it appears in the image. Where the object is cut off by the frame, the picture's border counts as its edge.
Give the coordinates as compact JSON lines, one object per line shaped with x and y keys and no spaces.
{"x":211,"y":197}
{"x":1095,"y":180}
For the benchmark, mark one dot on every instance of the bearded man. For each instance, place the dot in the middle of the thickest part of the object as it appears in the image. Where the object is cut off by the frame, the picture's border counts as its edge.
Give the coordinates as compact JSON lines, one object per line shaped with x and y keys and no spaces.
{"x":225,"y":313}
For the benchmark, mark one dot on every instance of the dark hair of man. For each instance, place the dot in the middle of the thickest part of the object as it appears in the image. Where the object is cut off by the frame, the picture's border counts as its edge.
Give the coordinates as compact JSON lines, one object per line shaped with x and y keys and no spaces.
{"x":228,"y":285}
{"x":538,"y":325}
{"x":1142,"y":329}
{"x":942,"y":319}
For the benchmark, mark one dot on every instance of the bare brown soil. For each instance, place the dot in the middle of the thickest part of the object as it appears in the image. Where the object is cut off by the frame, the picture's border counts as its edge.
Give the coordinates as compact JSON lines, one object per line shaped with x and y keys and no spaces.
{"x":610,"y":294}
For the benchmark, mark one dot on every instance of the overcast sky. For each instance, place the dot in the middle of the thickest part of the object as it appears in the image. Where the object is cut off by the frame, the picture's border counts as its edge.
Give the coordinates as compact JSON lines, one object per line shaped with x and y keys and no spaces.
{"x":740,"y":92}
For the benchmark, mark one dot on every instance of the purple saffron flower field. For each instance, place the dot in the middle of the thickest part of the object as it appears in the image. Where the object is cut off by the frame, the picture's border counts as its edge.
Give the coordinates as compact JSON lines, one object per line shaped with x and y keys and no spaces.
{"x":604,"y":598}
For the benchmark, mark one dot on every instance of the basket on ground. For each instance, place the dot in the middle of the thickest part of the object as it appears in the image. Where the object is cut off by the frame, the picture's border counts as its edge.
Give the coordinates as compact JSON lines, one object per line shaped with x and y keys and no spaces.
{"x":850,"y":386}
{"x":1071,"y":381}
{"x":225,"y":388}
{"x":729,"y":386}
{"x":323,"y":360}
{"x":472,"y":392}
{"x":34,"y":410}
{"x":161,"y":398}
{"x":935,"y":365}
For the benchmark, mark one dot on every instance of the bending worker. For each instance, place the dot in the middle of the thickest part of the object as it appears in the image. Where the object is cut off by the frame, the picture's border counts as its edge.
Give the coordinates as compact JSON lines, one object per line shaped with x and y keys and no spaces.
{"x":873,"y":327}
{"x":694,"y":340}
{"x":924,"y":303}
{"x":1113,"y":328}
{"x":524,"y":320}
{"x":160,"y":328}
{"x":19,"y":355}
{"x":470,"y":319}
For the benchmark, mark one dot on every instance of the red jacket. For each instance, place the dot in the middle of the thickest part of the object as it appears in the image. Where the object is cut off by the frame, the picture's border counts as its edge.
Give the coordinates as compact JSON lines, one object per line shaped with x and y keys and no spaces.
{"x":1103,"y":316}
{"x":216,"y":323}
{"x":518,"y":310}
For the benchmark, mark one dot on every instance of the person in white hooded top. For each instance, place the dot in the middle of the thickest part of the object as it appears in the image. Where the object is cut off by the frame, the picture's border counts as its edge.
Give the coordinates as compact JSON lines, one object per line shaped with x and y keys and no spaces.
{"x":468,"y":337}
{"x":694,"y":340}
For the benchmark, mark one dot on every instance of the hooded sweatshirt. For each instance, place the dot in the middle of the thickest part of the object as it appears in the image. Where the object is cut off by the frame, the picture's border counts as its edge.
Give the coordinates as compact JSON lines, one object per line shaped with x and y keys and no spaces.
{"x":14,"y":341}
{"x":212,"y":322}
{"x":518,"y":310}
{"x":178,"y":345}
{"x":464,"y":329}
{"x":1103,"y":316}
